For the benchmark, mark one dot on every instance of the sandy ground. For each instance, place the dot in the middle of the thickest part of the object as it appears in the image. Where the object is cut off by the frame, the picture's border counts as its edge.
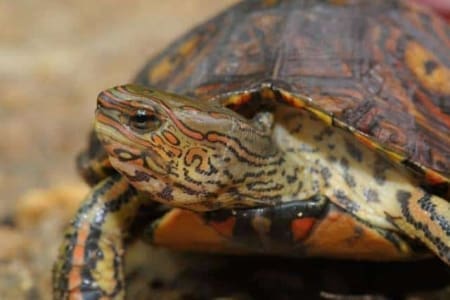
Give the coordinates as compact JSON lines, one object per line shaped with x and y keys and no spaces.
{"x":55,"y":56}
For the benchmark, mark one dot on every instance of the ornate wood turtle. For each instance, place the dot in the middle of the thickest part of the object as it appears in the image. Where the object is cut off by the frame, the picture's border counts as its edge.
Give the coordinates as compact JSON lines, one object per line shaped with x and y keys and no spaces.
{"x":296,"y":128}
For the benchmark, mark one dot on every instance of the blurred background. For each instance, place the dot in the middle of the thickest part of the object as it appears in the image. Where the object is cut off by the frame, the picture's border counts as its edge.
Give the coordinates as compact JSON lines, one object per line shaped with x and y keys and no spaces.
{"x":55,"y":56}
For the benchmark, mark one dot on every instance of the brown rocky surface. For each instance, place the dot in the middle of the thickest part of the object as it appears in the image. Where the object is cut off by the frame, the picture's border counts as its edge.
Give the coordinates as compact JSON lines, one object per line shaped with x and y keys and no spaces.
{"x":55,"y":56}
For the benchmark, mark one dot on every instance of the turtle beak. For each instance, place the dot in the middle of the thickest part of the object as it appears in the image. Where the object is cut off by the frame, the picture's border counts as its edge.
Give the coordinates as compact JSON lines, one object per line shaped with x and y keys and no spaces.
{"x":107,"y":115}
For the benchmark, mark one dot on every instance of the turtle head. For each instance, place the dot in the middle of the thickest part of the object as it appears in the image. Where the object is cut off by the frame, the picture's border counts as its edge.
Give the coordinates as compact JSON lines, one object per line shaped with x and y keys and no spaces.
{"x":183,"y":152}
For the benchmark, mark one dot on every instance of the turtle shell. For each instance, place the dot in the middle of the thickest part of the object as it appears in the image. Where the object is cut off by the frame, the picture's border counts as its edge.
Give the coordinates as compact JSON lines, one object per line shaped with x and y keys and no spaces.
{"x":380,"y":69}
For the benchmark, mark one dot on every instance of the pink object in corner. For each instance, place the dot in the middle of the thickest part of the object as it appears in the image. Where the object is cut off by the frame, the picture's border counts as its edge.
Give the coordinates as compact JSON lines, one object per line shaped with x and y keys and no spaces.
{"x":441,"y":6}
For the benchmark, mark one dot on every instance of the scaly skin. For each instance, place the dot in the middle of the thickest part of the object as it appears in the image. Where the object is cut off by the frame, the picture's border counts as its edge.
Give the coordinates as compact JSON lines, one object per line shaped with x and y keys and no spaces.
{"x":205,"y":157}
{"x":192,"y":143}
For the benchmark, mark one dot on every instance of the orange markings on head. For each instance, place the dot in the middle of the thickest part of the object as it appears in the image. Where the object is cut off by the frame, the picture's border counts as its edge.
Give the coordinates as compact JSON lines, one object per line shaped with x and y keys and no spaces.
{"x":162,"y":148}
{"x":171,"y":138}
{"x":157,"y":140}
{"x":198,"y":153}
{"x":214,"y":137}
{"x":301,"y":227}
{"x":175,"y":152}
{"x":185,"y":130}
{"x":102,"y":118}
{"x":111,"y":123}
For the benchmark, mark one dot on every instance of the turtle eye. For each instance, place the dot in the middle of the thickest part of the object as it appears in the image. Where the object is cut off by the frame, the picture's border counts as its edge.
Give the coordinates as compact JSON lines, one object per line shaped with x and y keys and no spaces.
{"x":142,"y":120}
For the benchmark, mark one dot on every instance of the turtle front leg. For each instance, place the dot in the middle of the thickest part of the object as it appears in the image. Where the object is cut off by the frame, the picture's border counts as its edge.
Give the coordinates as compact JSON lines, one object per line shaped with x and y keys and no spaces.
{"x":90,"y":260}
{"x":427,"y":218}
